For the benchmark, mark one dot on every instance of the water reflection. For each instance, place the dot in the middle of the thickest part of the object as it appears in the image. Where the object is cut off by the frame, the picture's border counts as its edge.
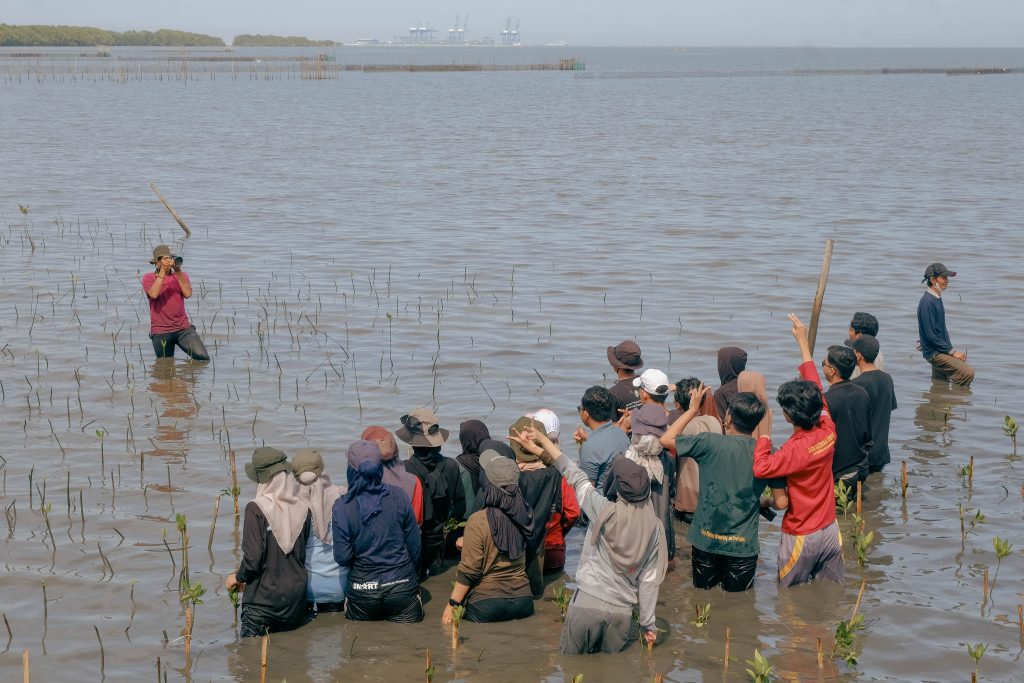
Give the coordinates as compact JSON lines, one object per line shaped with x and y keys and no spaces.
{"x":173,"y":384}
{"x":939,"y":411}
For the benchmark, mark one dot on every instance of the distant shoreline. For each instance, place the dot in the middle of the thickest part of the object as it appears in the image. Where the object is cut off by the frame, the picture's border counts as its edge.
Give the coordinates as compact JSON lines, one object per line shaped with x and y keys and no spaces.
{"x":38,"y":35}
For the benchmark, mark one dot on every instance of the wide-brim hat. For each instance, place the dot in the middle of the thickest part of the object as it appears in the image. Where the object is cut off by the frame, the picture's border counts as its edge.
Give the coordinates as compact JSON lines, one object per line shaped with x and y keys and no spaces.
{"x":307,"y":460}
{"x":420,"y":428}
{"x":625,"y":355}
{"x":523,"y":455}
{"x":265,"y":463}
{"x":159,"y":252}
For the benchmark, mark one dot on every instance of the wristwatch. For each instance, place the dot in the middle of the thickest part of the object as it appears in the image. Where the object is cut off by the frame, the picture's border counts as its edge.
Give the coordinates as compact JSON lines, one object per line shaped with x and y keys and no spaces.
{"x":453,"y":603}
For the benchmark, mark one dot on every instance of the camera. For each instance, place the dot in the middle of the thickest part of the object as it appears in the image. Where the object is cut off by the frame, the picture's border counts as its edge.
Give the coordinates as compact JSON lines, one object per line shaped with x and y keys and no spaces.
{"x":178,"y":260}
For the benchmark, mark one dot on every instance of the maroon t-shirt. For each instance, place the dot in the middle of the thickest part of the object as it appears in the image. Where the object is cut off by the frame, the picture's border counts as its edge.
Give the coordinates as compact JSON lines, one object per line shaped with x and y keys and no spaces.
{"x":167,"y":311}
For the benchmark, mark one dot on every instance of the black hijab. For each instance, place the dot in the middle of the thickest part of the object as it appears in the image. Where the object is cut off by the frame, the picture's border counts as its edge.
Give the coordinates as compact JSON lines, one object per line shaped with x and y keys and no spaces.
{"x":424,"y":464}
{"x":732,"y":360}
{"x":471,"y":434}
{"x":627,"y":480}
{"x":510,"y":518}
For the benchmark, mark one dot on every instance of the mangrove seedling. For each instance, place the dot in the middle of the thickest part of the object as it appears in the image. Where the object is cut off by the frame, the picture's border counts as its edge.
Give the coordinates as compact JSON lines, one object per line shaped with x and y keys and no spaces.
{"x":966,"y":472}
{"x":861,"y":541}
{"x":562,"y":596}
{"x":1010,"y":429}
{"x":703,"y":613}
{"x":449,"y":526}
{"x":843,"y":500}
{"x":236,"y":599}
{"x":457,"y":613}
{"x":976,"y":652}
{"x":430,"y":671}
{"x":578,"y":678}
{"x":979,"y":518}
{"x":846,"y":637}
{"x":760,"y":671}
{"x":1002,"y":548}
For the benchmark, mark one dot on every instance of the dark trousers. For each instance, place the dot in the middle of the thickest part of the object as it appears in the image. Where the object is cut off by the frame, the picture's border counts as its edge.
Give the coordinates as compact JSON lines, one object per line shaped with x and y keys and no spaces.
{"x":399,"y":602}
{"x":499,"y":609}
{"x":252,"y":624}
{"x":736,"y":574}
{"x":188,"y":339}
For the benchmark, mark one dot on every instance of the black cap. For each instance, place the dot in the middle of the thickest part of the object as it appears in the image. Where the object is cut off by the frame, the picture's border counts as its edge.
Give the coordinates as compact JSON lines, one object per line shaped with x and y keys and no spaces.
{"x":937,"y":270}
{"x":865,"y":345}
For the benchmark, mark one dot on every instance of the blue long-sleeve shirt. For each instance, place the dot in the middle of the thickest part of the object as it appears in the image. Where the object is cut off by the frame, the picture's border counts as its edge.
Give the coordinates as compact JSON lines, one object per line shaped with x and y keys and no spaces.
{"x":931,"y":326}
{"x":599,"y":450}
{"x":386,"y":547}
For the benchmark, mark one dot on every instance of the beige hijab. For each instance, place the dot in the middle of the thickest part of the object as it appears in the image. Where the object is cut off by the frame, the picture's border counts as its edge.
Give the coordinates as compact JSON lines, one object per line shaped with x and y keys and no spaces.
{"x":754,"y":382}
{"x":319,"y":494}
{"x":285,"y":511}
{"x":688,"y":474}
{"x":646,"y":452}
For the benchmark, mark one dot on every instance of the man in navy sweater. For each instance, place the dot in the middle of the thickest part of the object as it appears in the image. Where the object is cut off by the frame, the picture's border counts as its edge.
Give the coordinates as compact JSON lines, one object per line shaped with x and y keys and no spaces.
{"x":948,"y":364}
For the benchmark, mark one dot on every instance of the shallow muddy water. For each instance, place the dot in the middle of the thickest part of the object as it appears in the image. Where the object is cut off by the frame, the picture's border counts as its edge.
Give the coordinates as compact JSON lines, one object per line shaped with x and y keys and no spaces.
{"x":370,"y":244}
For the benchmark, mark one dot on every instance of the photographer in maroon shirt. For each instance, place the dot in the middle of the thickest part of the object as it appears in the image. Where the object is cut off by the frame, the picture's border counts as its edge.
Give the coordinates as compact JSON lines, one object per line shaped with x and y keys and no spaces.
{"x":167,"y":288}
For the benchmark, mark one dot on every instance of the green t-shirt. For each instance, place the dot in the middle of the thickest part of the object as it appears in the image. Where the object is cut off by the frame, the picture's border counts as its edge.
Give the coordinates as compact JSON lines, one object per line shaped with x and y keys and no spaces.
{"x":727,"y":510}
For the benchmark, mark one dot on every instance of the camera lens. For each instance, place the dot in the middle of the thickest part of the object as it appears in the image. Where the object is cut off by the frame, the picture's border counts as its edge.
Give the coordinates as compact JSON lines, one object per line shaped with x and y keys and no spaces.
{"x":178,"y":260}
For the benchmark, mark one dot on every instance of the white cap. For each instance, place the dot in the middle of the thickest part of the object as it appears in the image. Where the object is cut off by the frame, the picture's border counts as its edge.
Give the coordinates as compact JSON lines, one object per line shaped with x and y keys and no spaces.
{"x":654,"y":382}
{"x":550,"y":422}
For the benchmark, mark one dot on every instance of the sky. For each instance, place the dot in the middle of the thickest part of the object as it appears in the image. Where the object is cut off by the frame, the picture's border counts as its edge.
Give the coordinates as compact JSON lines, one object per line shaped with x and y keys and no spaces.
{"x":817,"y":23}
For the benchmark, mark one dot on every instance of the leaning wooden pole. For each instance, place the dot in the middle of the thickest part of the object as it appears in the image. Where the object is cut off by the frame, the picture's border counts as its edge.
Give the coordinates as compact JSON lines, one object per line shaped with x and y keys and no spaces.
{"x":812,"y":331}
{"x":188,"y":233}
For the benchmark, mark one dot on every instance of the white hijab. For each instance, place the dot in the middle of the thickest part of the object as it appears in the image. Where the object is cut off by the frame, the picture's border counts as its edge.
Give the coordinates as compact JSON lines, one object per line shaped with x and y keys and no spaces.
{"x":285,"y":512}
{"x":646,"y":452}
{"x":319,"y":494}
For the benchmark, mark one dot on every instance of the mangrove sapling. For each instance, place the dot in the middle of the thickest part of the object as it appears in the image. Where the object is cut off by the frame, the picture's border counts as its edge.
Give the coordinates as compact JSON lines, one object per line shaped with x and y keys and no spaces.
{"x":846,"y":639}
{"x":976,"y":652}
{"x":1010,"y":429}
{"x":843,"y":501}
{"x":760,"y":671}
{"x":578,"y":678}
{"x":430,"y":671}
{"x":703,"y":614}
{"x":861,"y":541}
{"x":966,"y":472}
{"x":725,"y":660}
{"x":457,"y":613}
{"x":236,"y":599}
{"x":1002,"y":548}
{"x":562,"y":596}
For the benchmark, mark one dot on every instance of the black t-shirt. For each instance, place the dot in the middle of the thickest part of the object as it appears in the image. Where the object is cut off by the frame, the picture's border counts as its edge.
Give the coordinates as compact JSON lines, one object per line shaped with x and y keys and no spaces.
{"x":626,"y":394}
{"x":848,"y":404}
{"x":276,"y":590}
{"x":879,"y":387}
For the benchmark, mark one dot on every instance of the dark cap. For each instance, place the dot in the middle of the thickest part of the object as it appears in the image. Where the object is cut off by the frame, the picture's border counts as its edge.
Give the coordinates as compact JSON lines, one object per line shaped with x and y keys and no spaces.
{"x":625,"y":355}
{"x":266,"y":462}
{"x":937,"y":270}
{"x":865,"y":345}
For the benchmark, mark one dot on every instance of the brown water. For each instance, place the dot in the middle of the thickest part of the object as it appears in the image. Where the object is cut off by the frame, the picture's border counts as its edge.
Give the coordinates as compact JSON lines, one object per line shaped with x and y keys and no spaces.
{"x":512,"y":226}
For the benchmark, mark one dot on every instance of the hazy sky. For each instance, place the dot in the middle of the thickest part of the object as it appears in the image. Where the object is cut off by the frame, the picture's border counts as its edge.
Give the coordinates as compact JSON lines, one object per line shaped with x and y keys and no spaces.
{"x":823,"y":23}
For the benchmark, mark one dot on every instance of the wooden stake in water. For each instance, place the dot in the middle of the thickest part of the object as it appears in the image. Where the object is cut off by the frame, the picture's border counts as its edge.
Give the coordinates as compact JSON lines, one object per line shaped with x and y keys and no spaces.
{"x":903,"y":478}
{"x":213,"y":524}
{"x":725,"y":668}
{"x":812,"y":330}
{"x":24,"y":666}
{"x":1020,"y":618}
{"x":821,"y":655}
{"x":970,"y":471}
{"x":263,"y":657}
{"x":985,"y":594}
{"x":858,"y":497}
{"x":234,"y":479}
{"x":188,"y":633}
{"x":860,"y":594}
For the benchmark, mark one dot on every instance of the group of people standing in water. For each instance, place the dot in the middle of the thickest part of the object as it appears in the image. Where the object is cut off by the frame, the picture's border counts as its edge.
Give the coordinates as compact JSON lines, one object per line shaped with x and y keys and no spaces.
{"x":504,"y":506}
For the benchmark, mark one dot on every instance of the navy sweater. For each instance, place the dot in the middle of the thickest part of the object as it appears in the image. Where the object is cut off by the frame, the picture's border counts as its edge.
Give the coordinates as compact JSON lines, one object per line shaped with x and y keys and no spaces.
{"x":931,"y":326}
{"x":385,"y":548}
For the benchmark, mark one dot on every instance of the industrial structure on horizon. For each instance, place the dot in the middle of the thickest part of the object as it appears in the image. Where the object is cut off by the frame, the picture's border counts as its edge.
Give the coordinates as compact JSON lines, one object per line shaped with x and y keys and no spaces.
{"x":425,"y":34}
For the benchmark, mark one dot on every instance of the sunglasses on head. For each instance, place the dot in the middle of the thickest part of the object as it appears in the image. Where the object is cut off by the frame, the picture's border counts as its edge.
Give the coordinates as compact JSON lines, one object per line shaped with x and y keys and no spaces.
{"x":414,"y":425}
